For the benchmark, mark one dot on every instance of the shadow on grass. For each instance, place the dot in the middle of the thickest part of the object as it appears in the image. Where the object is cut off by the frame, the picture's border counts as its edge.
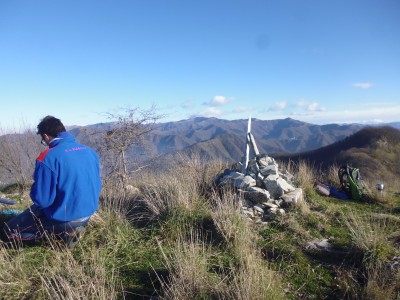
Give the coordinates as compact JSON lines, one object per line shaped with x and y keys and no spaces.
{"x":148,"y":285}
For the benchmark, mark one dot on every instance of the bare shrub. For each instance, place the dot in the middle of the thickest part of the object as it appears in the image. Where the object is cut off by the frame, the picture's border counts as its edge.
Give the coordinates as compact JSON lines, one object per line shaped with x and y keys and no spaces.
{"x":18,"y":152}
{"x":127,"y":132}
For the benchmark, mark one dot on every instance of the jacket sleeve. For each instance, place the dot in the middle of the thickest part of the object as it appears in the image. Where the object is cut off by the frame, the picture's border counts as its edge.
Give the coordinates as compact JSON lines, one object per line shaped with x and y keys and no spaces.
{"x":43,"y":190}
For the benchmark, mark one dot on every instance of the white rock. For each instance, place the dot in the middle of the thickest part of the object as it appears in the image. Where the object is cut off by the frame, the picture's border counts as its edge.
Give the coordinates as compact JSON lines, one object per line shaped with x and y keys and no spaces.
{"x":243,"y":182}
{"x":285,"y":186}
{"x":249,"y":213}
{"x":269,"y":170}
{"x":287,"y":176}
{"x":256,"y":194}
{"x":273,"y":210}
{"x":270,"y":204}
{"x":258,"y":209}
{"x":264,"y":160}
{"x":273,"y":187}
{"x":294,"y":197}
{"x":253,"y":167}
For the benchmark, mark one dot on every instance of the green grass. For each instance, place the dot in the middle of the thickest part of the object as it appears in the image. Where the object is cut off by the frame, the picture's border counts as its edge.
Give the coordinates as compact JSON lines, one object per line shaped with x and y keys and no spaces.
{"x":180,"y":239}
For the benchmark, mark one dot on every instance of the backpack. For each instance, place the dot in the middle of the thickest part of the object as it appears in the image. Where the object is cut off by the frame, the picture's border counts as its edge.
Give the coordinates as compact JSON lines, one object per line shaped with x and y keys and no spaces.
{"x":350,"y":182}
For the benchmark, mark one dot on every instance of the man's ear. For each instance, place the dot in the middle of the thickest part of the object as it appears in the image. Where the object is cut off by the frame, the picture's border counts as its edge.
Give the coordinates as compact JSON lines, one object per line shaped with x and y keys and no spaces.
{"x":46,"y":137}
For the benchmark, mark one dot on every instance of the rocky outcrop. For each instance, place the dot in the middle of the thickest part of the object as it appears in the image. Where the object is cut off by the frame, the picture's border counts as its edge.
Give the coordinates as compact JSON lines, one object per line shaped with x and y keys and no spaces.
{"x":265,"y":191}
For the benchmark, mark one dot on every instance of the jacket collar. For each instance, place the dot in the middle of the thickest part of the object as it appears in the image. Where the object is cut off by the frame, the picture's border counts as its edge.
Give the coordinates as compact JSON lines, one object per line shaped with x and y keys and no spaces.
{"x":61,"y":137}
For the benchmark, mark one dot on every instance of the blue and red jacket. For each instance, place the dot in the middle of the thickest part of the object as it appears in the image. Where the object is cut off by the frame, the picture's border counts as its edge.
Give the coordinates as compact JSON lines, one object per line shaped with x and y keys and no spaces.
{"x":67,"y":180}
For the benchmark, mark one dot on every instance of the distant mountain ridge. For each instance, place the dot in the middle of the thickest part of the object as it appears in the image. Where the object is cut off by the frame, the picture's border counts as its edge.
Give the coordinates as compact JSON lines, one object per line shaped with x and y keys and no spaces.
{"x":287,"y":135}
{"x":214,"y":138}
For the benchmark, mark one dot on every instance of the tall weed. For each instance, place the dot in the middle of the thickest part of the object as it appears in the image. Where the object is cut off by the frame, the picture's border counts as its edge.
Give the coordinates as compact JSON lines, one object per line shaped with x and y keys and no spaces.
{"x":370,"y":235}
{"x":15,"y":280}
{"x":55,"y":273}
{"x":305,"y":177}
{"x":249,"y":276}
{"x":181,"y":186}
{"x":87,"y":278}
{"x":188,"y":263}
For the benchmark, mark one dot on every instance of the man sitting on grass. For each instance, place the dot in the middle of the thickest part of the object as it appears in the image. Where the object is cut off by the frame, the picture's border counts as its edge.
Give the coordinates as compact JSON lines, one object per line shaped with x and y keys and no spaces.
{"x":65,"y":191}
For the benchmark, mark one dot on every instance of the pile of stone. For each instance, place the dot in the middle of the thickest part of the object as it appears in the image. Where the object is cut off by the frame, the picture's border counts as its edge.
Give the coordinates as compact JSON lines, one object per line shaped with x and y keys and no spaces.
{"x":264,"y":190}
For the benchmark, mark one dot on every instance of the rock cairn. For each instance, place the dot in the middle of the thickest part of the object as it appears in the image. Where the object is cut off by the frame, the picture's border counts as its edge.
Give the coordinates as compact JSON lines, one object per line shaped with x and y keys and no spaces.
{"x":264,"y":190}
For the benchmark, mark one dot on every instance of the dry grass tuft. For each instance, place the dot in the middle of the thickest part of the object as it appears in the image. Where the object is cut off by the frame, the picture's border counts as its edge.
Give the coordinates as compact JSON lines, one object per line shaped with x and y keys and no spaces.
{"x":55,"y":275}
{"x":305,"y":176}
{"x":188,"y":265}
{"x":249,"y":277}
{"x":226,"y":215}
{"x":180,"y":187}
{"x":332,"y":176}
{"x":371,"y":234}
{"x":15,"y":282}
{"x":168,"y":192}
{"x":76,"y":280}
{"x":197,"y":272}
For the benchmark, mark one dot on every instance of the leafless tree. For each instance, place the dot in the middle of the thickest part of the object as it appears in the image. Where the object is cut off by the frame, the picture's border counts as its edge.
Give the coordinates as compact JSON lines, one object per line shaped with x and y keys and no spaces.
{"x":18,"y":152}
{"x":128,"y":130}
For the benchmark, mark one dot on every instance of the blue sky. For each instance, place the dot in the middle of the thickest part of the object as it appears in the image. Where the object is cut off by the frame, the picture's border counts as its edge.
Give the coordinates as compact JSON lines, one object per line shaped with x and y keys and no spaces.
{"x":316,"y":61}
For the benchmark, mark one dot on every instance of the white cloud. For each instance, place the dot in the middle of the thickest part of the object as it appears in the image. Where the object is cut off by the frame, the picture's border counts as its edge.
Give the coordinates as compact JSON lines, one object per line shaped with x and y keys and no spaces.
{"x":315,"y":107}
{"x":218,"y":101}
{"x":363,"y":85}
{"x":311,"y":106}
{"x":368,"y":113}
{"x":210,"y":112}
{"x":363,"y":115}
{"x":278,"y":106}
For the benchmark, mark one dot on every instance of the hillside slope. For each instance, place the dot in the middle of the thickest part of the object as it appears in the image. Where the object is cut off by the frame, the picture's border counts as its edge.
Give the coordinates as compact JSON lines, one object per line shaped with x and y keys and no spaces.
{"x":374,"y":150}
